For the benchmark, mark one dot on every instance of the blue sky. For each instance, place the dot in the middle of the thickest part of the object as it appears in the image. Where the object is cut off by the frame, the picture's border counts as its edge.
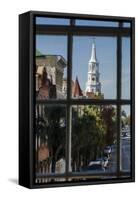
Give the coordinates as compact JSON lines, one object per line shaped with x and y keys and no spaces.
{"x":126,"y":68}
{"x":106,"y":55}
{"x":62,"y":21}
{"x":52,"y":21}
{"x":82,"y":45}
{"x":96,"y":23}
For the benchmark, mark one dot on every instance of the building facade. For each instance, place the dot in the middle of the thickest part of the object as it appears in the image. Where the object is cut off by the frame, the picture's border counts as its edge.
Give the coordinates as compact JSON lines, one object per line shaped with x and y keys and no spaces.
{"x":49,"y":76}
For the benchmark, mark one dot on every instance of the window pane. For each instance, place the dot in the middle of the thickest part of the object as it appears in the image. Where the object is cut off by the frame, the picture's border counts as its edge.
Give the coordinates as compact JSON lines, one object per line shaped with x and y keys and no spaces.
{"x":125,"y":68}
{"x":125,"y":141}
{"x":96,"y":23}
{"x":50,"y":140}
{"x":52,"y":21}
{"x":93,"y":139}
{"x":51,"y":66}
{"x":94,"y":67}
{"x":127,"y":24}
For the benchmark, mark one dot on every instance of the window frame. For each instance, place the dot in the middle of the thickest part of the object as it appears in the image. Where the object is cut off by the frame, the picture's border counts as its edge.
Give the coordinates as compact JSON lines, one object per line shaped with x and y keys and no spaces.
{"x":73,"y":30}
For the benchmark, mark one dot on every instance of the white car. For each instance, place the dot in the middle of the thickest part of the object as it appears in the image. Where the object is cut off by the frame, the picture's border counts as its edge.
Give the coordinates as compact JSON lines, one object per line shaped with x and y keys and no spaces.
{"x":100,"y":161}
{"x":104,"y":161}
{"x":94,"y":162}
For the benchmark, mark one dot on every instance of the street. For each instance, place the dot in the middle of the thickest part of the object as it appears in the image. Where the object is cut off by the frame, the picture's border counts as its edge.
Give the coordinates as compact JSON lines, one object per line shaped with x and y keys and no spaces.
{"x":124,"y":155}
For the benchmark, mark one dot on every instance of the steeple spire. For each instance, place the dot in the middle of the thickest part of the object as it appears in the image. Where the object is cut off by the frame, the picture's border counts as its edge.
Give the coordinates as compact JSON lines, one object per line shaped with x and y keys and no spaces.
{"x":93,"y":54}
{"x":93,"y":84}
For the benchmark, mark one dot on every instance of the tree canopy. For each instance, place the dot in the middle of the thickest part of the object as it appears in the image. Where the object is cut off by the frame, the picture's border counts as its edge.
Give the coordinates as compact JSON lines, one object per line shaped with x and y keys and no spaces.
{"x":93,"y":127}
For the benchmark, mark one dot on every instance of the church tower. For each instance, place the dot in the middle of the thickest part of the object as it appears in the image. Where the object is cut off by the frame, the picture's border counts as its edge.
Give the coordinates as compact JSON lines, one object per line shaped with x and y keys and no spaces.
{"x":93,"y":84}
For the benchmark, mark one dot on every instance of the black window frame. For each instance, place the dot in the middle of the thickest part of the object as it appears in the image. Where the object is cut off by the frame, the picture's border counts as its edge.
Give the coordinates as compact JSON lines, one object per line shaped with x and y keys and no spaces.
{"x":70,"y":31}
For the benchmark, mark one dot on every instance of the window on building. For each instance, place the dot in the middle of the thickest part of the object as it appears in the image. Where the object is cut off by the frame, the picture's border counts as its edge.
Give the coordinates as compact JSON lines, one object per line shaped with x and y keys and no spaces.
{"x":83,"y":108}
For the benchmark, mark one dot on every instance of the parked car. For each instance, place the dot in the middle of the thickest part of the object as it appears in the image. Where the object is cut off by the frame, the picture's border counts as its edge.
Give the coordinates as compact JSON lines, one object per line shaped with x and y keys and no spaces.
{"x":95,"y":162}
{"x":104,"y":161}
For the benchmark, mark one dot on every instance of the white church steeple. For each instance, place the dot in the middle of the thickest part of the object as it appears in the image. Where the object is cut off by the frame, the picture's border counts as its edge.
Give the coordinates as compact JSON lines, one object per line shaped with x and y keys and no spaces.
{"x":93,"y":84}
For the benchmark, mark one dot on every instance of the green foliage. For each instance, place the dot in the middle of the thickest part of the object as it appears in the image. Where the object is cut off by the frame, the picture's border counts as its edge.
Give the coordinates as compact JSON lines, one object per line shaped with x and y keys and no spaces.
{"x":51,"y":129}
{"x":93,"y":127}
